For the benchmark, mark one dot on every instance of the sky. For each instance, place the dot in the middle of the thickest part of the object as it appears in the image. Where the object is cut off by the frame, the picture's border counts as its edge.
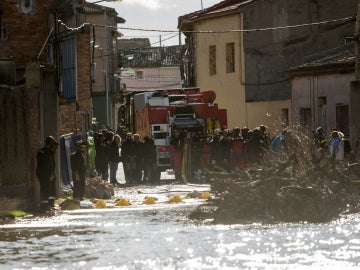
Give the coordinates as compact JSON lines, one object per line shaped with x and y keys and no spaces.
{"x":155,"y":15}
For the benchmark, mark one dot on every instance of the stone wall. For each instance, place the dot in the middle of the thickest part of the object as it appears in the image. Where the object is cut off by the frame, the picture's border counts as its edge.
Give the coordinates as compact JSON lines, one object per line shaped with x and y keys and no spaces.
{"x":19,"y":124}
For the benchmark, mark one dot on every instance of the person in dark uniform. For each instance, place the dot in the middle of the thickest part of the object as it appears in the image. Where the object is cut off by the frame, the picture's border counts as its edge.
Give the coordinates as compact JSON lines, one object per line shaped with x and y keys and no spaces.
{"x":138,"y":149}
{"x":101,"y":156}
{"x":149,"y":159}
{"x":237,"y":150}
{"x":45,"y":171}
{"x":225,"y":150}
{"x":128,"y":157}
{"x":215,"y":148}
{"x":78,"y":169}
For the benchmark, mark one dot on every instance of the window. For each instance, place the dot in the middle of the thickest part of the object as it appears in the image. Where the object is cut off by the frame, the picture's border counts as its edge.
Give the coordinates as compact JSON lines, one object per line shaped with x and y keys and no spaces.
{"x":305,"y":117}
{"x":322,"y":112}
{"x":212,"y":60}
{"x":68,"y":48}
{"x":285,"y":116}
{"x":342,"y":119}
{"x":230,"y":57}
{"x":139,"y":74}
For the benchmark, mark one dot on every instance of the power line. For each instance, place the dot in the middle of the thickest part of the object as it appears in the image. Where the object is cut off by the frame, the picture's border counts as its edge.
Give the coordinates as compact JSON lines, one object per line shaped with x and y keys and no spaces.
{"x":204,"y":31}
{"x":211,"y":31}
{"x":243,"y":30}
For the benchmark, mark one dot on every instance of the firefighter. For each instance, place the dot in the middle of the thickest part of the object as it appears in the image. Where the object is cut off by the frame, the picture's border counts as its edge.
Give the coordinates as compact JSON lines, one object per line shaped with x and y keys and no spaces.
{"x":176,"y":149}
{"x":237,"y":150}
{"x":225,"y":149}
{"x":215,"y":151}
{"x":319,"y":138}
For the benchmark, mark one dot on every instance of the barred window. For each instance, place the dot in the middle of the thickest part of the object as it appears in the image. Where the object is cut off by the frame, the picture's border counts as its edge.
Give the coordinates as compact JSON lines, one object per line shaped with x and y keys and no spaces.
{"x":68,"y":48}
{"x":139,"y":74}
{"x":212,"y":60}
{"x":230,"y":57}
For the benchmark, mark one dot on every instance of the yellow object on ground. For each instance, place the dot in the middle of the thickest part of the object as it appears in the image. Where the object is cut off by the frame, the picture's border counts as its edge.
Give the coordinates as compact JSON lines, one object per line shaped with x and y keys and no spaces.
{"x":100,"y":204}
{"x":16,"y":214}
{"x":175,"y":199}
{"x":58,"y":201}
{"x":70,"y":204}
{"x":205,"y":196}
{"x":150,"y":200}
{"x":122,"y":202}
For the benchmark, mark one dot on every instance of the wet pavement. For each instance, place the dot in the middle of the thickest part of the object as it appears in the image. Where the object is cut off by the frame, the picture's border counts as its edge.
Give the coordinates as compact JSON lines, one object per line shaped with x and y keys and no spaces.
{"x":162,"y":236}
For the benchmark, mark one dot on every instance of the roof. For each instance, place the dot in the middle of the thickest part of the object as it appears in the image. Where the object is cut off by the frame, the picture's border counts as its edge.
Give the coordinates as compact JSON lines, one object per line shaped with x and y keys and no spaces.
{"x":227,"y":5}
{"x":339,"y":58}
{"x":90,"y":8}
{"x":170,"y":56}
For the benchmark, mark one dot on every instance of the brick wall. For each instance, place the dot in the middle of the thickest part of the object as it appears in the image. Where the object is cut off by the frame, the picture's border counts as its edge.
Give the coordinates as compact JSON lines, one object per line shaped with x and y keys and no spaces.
{"x":26,"y":32}
{"x":75,"y":117}
{"x":83,"y":72}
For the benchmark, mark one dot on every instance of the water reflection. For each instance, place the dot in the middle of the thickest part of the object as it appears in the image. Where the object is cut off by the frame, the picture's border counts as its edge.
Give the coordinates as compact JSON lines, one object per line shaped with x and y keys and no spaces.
{"x":159,"y":237}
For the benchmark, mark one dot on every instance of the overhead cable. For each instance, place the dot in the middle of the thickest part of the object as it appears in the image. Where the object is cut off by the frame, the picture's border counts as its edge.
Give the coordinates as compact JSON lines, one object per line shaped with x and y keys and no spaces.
{"x":244,"y":30}
{"x":212,"y":31}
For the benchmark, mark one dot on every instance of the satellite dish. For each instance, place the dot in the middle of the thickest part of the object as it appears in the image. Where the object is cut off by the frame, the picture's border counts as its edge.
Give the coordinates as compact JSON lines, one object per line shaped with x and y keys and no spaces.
{"x":27,"y":6}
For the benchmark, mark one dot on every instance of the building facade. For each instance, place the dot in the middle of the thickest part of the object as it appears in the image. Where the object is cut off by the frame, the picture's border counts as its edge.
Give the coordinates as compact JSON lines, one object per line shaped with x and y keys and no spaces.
{"x":45,"y":67}
{"x":30,"y":52}
{"x":105,"y":65}
{"x":324,"y":92}
{"x":261,"y":40}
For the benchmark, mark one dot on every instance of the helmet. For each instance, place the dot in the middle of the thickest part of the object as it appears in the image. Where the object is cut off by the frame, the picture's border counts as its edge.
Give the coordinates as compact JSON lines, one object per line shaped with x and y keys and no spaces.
{"x":217,"y":131}
{"x":49,"y":140}
{"x":319,"y":130}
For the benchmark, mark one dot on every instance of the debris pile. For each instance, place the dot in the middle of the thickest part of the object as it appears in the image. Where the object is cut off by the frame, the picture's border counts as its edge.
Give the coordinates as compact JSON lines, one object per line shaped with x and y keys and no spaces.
{"x":300,"y":184}
{"x":97,"y":188}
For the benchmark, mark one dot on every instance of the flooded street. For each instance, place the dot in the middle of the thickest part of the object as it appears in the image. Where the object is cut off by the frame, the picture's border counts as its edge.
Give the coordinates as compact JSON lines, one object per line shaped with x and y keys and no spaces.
{"x":161,"y":236}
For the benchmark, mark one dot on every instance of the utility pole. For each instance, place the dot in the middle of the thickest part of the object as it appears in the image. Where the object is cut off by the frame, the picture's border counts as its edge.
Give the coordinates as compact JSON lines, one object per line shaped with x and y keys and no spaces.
{"x":107,"y":84}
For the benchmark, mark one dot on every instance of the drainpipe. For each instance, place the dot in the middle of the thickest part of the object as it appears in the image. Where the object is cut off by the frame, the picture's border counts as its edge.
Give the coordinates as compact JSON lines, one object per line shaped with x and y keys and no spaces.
{"x":1,"y":12}
{"x":357,"y":43}
{"x":106,"y":71}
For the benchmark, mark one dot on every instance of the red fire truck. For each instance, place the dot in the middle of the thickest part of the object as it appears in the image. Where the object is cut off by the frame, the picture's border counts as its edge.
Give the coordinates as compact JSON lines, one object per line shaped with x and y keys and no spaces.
{"x":181,"y":122}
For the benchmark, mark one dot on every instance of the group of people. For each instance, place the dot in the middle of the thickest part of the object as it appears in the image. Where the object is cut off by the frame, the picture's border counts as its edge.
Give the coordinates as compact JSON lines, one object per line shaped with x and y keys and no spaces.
{"x":45,"y":170}
{"x":234,"y":148}
{"x":230,"y":149}
{"x":138,"y":156}
{"x":337,"y":146}
{"x":107,"y":156}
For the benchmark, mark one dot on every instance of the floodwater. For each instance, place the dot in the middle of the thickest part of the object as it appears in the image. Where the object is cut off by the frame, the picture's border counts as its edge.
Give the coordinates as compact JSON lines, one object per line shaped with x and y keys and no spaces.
{"x":161,"y":236}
